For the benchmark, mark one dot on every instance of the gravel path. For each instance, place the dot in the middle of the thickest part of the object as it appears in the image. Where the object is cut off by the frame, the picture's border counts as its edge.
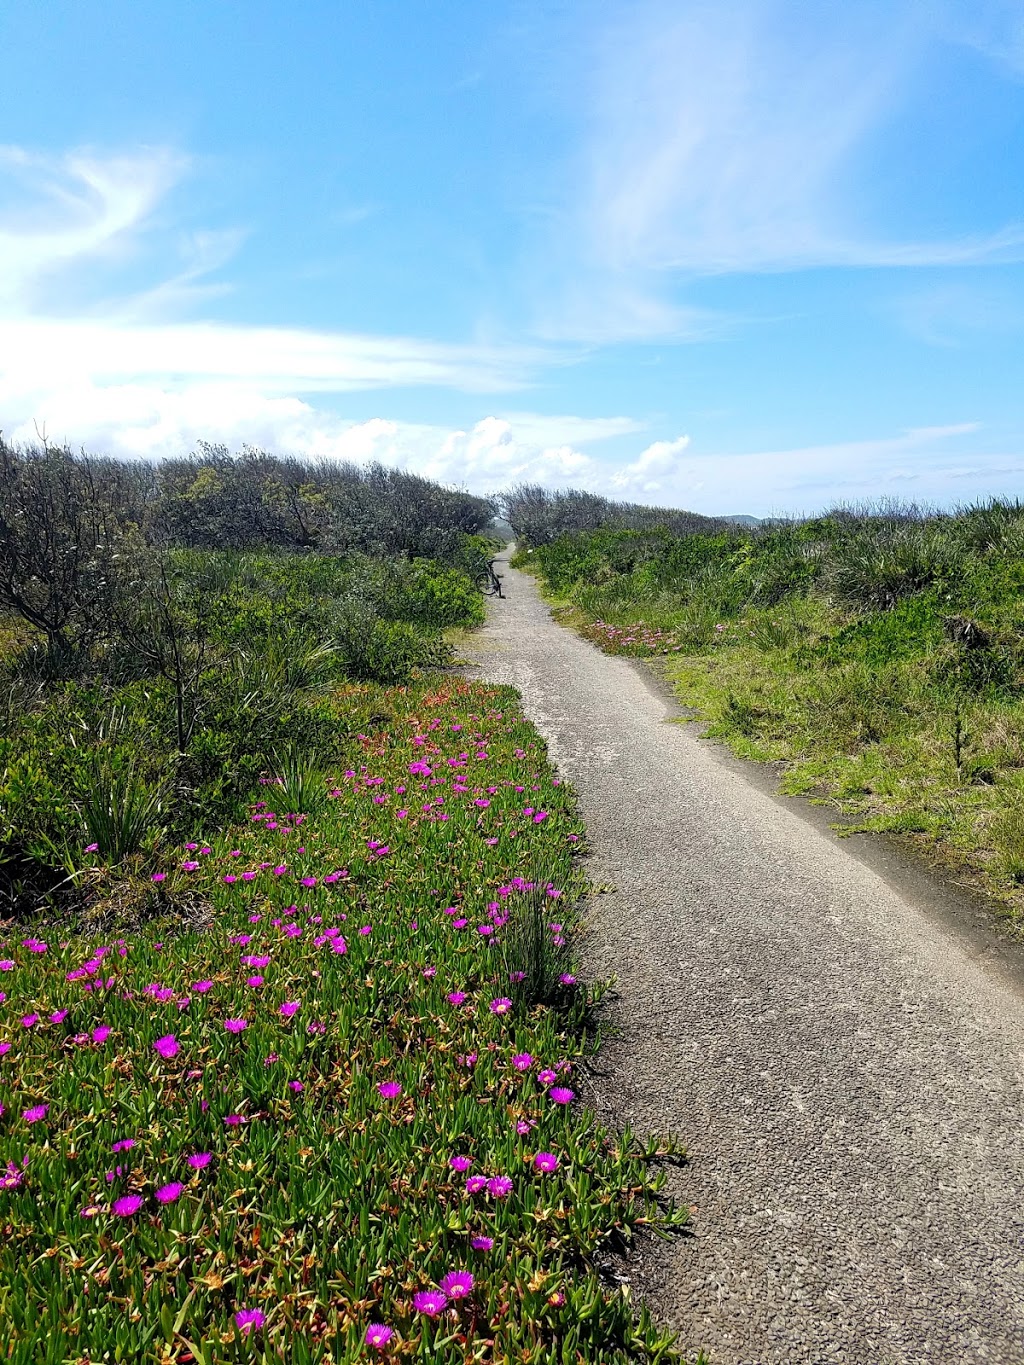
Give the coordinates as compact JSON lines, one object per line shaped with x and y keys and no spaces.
{"x":847,"y":1075}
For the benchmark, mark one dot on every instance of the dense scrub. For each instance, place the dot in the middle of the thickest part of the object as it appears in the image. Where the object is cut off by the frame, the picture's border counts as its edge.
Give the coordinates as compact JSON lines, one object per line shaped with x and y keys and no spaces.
{"x":288,"y":1010}
{"x":145,"y":684}
{"x":538,"y":516}
{"x":880,"y":653}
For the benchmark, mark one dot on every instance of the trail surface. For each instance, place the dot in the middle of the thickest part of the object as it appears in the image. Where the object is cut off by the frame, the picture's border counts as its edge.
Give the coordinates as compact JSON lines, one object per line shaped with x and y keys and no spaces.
{"x":848,"y":1077}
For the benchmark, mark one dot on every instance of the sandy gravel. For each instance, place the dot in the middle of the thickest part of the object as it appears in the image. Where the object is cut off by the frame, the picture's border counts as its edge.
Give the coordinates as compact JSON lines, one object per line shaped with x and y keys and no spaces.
{"x":847,"y":1074}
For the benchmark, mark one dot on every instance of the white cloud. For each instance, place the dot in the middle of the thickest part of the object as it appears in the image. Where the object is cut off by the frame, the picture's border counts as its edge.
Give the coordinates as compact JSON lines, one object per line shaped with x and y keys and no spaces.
{"x":929,"y":464}
{"x":729,"y":139}
{"x":72,"y":208}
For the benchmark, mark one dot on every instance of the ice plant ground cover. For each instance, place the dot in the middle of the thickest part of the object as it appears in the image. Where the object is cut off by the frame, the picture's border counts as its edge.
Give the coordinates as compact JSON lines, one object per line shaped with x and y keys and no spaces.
{"x":341,"y":1122}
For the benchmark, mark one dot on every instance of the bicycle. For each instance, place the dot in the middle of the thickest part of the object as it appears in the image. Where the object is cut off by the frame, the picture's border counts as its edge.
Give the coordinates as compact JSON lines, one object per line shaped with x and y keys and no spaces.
{"x":488,"y":582}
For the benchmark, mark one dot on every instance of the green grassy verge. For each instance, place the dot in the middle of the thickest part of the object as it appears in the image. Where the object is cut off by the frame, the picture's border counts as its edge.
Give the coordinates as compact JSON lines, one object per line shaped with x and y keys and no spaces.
{"x":837,"y":648}
{"x":336,"y":1118}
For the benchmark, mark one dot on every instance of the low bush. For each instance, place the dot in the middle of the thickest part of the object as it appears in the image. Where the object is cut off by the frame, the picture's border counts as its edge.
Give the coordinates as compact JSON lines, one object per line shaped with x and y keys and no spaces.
{"x":876,"y":650}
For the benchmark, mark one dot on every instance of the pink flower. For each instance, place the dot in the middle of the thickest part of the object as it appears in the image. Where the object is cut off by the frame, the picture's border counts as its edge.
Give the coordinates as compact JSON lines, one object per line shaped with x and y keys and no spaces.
{"x":389,"y":1089}
{"x":37,"y":1112}
{"x":546,"y":1162}
{"x":378,"y":1336}
{"x":199,"y":1160}
{"x":233,"y":1120}
{"x":158,"y":877}
{"x":456,"y":997}
{"x":167,"y":1046}
{"x":567,"y":979}
{"x":429,"y":1302}
{"x":297,"y":1086}
{"x":338,"y":945}
{"x":522,"y":1061}
{"x":460,"y":1163}
{"x":560,"y":1095}
{"x":482,"y":1243}
{"x":124,"y":1145}
{"x":254,"y":981}
{"x":547,"y":1077}
{"x":501,"y":1006}
{"x":101,"y":1034}
{"x":91,"y":848}
{"x":289,"y":1008}
{"x":236,"y":1025}
{"x":475,"y":1184}
{"x":167,"y":1194}
{"x":246,"y":1319}
{"x":58,"y":1016}
{"x":457,"y":1284}
{"x":30,"y":1020}
{"x":201,"y":987}
{"x":500,"y":1186}
{"x":127,"y":1205}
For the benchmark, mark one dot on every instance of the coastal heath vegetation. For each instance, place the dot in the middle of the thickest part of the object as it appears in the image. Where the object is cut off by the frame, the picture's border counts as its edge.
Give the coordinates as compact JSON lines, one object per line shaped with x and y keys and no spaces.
{"x":876,"y":651}
{"x":291,"y":1027}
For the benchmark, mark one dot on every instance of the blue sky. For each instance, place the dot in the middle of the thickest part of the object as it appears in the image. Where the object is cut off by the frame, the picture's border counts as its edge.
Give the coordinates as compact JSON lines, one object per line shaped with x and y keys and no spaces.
{"x":741,"y":255}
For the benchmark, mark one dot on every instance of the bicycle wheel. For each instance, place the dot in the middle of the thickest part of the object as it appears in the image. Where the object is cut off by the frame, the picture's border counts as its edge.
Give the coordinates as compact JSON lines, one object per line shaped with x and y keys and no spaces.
{"x":484,"y":584}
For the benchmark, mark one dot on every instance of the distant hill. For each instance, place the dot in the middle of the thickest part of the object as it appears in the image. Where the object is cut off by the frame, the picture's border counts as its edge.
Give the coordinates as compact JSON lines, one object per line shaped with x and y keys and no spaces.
{"x":741,"y":519}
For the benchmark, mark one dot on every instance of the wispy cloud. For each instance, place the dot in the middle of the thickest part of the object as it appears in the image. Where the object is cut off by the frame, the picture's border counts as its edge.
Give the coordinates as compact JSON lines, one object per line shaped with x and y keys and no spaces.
{"x":930,"y":463}
{"x":729,"y":138}
{"x":59,"y":211}
{"x":128,"y":352}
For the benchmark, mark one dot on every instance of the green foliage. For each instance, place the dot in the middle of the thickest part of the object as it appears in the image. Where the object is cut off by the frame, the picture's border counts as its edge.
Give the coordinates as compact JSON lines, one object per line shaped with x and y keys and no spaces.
{"x":321,"y":1200}
{"x":829,"y":643}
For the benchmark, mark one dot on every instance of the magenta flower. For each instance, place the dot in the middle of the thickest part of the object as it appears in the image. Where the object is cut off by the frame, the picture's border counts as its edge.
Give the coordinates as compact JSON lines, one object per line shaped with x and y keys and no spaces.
{"x":236,"y":1025}
{"x":289,"y":1008}
{"x":482,"y":1243}
{"x":338,"y":945}
{"x":475,"y":1184}
{"x":101,"y":1034}
{"x":560,"y":1095}
{"x":254,"y":980}
{"x":37,"y":1112}
{"x":233,"y":1120}
{"x":167,"y":1194}
{"x":522,"y":1061}
{"x":389,"y":1089}
{"x":567,"y":979}
{"x":91,"y":848}
{"x":158,"y":877}
{"x":167,"y":1046}
{"x":378,"y":1336}
{"x":547,"y":1077}
{"x":460,"y":1163}
{"x":127,"y":1205}
{"x":29,"y":1020}
{"x":457,"y":1284}
{"x":202,"y":986}
{"x":248,"y":1318}
{"x":500,"y":1186}
{"x":199,"y":1160}
{"x":430,"y":1302}
{"x":297,"y":1086}
{"x":546,"y":1162}
{"x":456,"y":997}
{"x":58,"y":1016}
{"x":501,"y":1006}
{"x":123,"y":1145}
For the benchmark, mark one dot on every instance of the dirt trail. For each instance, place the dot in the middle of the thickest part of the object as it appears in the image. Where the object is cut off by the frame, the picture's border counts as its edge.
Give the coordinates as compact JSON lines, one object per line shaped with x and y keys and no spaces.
{"x":848,"y":1075}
